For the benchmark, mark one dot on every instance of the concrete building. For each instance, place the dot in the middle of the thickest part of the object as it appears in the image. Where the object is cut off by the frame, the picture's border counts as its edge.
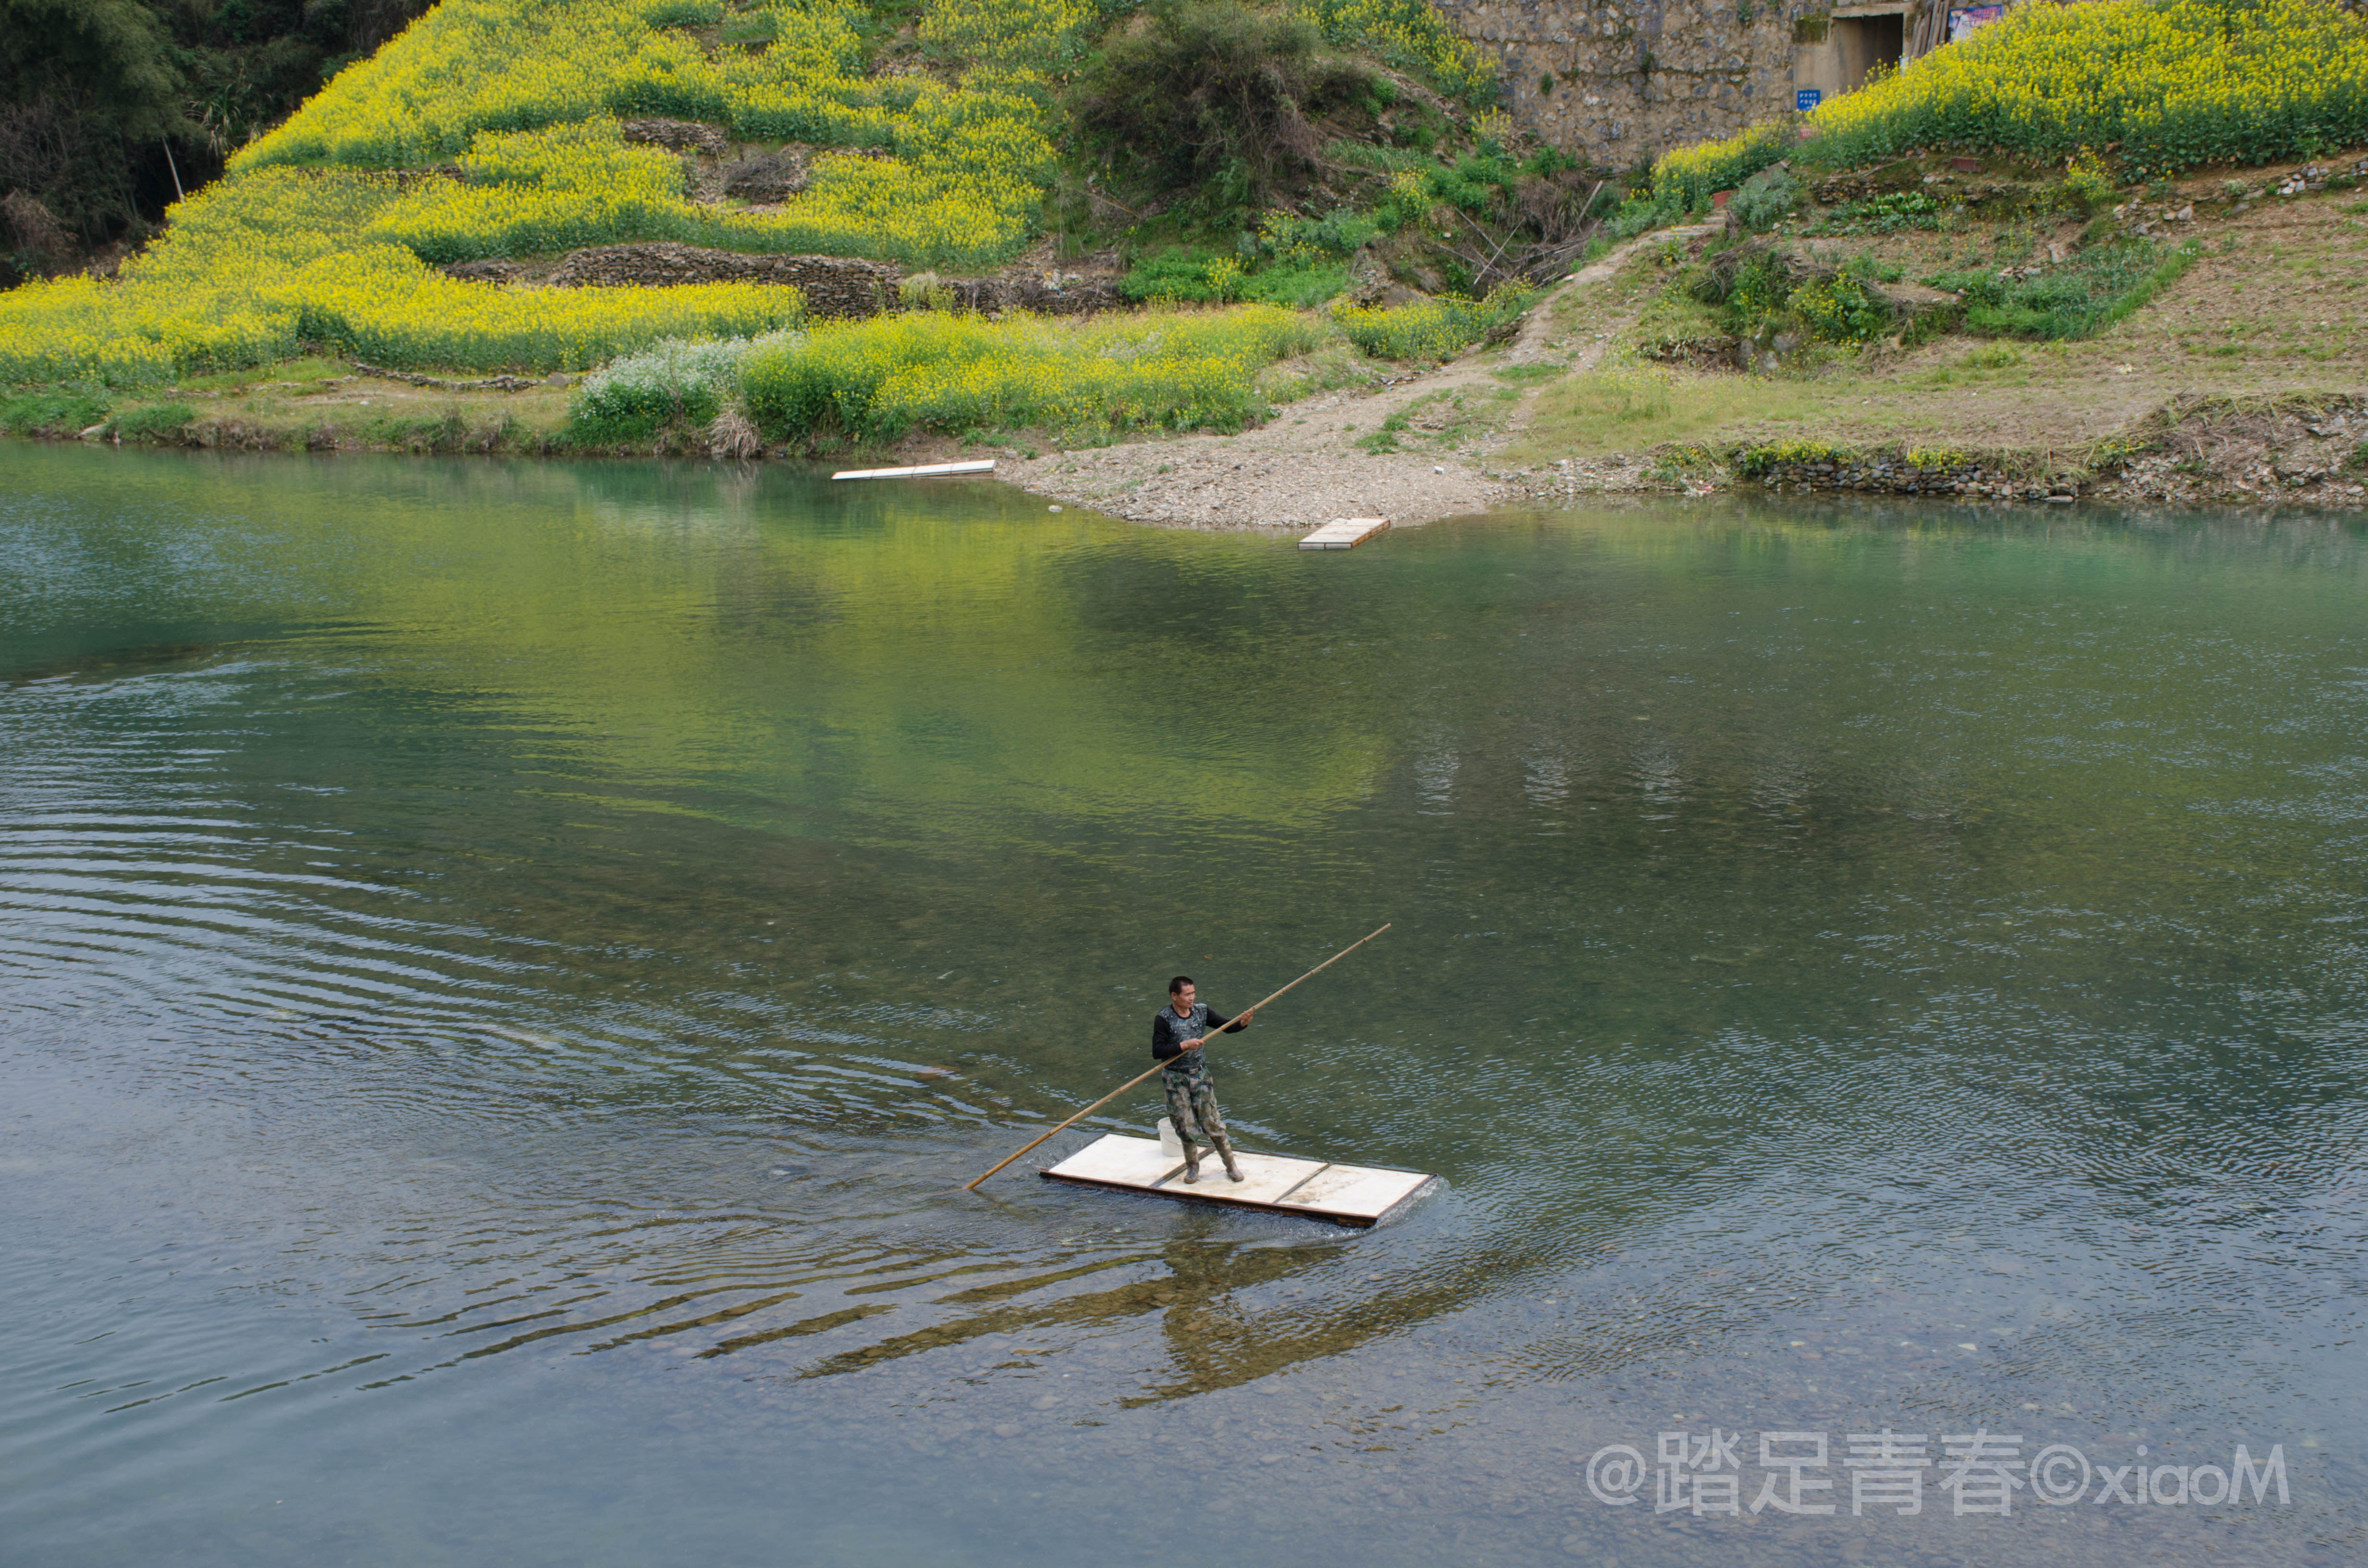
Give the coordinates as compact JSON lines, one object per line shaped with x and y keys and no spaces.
{"x":1614,"y":82}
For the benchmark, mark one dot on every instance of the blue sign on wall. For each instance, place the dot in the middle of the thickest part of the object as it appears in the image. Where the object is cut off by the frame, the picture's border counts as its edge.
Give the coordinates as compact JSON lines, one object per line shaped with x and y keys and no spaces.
{"x":1806,"y":98}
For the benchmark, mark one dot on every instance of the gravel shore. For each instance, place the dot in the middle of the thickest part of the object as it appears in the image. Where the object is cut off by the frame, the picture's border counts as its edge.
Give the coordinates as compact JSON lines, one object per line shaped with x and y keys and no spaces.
{"x":1306,"y":468}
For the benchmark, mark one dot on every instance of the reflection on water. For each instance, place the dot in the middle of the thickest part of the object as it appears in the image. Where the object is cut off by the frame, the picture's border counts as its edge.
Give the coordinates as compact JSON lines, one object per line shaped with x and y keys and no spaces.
{"x":505,"y":967}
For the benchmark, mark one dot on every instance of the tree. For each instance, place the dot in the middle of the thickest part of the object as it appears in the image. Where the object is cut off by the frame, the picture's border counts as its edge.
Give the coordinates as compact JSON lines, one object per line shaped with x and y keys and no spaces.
{"x":1215,"y":94}
{"x":92,"y":91}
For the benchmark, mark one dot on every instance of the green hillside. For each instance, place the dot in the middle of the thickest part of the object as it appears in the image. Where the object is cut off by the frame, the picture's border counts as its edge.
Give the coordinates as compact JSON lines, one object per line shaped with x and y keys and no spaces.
{"x":1284,"y":172}
{"x":923,"y":137}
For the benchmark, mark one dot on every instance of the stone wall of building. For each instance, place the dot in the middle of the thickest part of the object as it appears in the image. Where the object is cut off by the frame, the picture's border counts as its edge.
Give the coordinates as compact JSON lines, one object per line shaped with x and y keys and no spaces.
{"x":1616,"y":83}
{"x":1623,"y":81}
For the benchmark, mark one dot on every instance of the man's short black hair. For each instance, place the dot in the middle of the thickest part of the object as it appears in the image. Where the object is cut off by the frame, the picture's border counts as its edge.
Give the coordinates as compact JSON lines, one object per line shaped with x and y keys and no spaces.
{"x":1179,"y":984}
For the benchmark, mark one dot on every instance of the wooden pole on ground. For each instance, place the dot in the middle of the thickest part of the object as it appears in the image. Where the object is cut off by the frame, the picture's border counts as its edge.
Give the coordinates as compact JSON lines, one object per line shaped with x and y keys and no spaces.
{"x":1159,"y":1066}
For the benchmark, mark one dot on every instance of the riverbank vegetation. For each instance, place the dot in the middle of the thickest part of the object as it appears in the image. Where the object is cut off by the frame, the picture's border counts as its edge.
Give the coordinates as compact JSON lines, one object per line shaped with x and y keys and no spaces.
{"x":2079,"y":350}
{"x":2057,"y":130}
{"x":1261,"y":201}
{"x":876,"y":381}
{"x":517,"y":130}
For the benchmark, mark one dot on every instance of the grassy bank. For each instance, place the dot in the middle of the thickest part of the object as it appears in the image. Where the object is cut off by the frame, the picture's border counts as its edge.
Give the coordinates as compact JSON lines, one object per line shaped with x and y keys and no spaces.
{"x":1993,"y":217}
{"x":829,"y":387}
{"x":2110,"y":91}
{"x":2203,"y":372}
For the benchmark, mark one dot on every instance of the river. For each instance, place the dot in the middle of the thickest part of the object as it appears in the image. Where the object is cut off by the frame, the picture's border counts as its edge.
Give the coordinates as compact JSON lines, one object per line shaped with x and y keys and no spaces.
{"x":504,"y":966}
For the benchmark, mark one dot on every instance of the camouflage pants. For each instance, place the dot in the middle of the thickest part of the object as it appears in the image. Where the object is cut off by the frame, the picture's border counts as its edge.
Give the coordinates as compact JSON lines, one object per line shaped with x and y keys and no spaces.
{"x":1192,"y":1104}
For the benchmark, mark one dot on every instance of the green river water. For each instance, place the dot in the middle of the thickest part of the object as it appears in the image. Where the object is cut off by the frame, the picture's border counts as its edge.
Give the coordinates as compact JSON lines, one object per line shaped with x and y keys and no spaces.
{"x":502,"y":967}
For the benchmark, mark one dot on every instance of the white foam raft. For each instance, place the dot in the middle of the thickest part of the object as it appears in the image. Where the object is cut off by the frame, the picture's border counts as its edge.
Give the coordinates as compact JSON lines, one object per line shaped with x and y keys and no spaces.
{"x":925,"y":470}
{"x":1346,"y":1195}
{"x":1344,"y":533}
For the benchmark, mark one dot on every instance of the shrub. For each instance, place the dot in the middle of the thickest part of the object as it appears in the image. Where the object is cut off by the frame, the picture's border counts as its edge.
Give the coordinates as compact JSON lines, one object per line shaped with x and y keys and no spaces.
{"x":1766,"y":197}
{"x":1433,"y":329}
{"x":1686,"y":179}
{"x":1213,"y":94}
{"x":1291,"y":239}
{"x":1886,"y":214}
{"x":877,"y":380}
{"x":1181,"y":276}
{"x":60,"y":413}
{"x":1757,"y":285}
{"x":1297,"y":286}
{"x":671,"y":382}
{"x":1754,"y":462}
{"x":2089,"y":181}
{"x":160,"y":422}
{"x":2098,"y":287}
{"x":1641,"y":214}
{"x":1410,"y":35}
{"x":1840,"y":309}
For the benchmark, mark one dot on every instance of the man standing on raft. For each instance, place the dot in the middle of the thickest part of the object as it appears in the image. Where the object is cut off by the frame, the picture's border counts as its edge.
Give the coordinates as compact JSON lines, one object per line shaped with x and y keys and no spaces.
{"x":1176,"y":1035}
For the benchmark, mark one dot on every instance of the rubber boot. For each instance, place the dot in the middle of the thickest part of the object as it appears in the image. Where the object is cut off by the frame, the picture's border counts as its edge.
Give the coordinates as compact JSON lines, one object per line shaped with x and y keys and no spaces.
{"x":1191,"y":1161}
{"x":1225,"y":1152}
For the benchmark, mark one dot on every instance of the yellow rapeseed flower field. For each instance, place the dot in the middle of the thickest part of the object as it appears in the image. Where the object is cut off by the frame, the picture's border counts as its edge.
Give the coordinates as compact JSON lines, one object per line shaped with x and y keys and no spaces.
{"x":2165,"y":84}
{"x":312,"y":237}
{"x":260,"y":264}
{"x":463,"y":84}
{"x":493,"y":128}
{"x":2176,"y":84}
{"x":1405,"y":32}
{"x":1433,"y":329}
{"x":881,"y":378}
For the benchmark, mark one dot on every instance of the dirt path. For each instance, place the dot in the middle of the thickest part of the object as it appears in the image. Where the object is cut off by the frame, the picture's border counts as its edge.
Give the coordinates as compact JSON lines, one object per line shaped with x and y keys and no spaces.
{"x":1306,"y":468}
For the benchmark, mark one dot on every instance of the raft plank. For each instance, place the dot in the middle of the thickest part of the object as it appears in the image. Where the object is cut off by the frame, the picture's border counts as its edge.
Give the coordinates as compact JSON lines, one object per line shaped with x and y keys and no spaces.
{"x":1265,"y":1177}
{"x":1123,"y":1162}
{"x":1344,"y":533}
{"x":925,"y":470}
{"x":1349,"y":1189}
{"x":1278,"y":1184}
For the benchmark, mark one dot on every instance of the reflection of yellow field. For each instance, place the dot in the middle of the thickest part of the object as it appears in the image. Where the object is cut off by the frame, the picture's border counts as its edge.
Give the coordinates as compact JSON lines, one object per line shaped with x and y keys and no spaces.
{"x":891,"y":632}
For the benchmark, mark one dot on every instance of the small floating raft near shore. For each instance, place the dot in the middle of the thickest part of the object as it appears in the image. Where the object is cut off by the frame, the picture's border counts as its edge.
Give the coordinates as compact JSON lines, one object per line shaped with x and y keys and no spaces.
{"x":1344,"y":533}
{"x":927,"y":471}
{"x":1345,"y":1195}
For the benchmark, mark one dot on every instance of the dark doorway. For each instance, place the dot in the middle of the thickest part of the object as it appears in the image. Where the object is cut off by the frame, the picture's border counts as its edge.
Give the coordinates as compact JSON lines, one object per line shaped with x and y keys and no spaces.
{"x":1865,"y":42}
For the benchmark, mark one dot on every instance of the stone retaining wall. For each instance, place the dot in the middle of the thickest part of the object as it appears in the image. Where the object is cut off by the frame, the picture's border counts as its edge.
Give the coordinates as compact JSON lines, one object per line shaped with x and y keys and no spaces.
{"x":992,"y":295}
{"x":1615,"y":83}
{"x":1896,"y":476}
{"x":675,"y":135}
{"x":834,"y":286}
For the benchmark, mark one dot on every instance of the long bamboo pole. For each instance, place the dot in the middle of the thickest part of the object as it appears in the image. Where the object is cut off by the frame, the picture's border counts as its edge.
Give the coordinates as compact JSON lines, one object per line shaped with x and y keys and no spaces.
{"x":1158,"y":1066}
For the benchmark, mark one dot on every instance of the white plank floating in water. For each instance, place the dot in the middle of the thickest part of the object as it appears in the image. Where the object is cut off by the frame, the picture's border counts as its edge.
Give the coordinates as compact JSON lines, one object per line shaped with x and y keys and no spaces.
{"x":927,"y":471}
{"x":1346,"y":1195}
{"x":1122,"y":1162}
{"x":1353,"y":1189}
{"x":1344,"y":533}
{"x":1266,"y":1178}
